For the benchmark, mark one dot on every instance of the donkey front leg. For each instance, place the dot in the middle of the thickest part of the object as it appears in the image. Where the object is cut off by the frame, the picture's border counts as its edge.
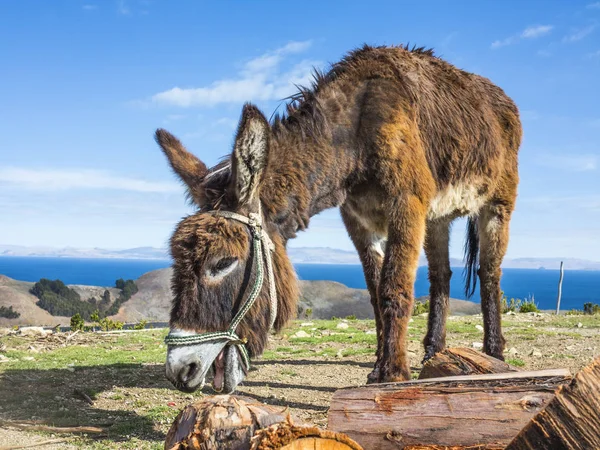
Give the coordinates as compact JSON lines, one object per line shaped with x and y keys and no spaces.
{"x":370,"y":248}
{"x":437,"y":240}
{"x":493,"y":241}
{"x":405,"y":238}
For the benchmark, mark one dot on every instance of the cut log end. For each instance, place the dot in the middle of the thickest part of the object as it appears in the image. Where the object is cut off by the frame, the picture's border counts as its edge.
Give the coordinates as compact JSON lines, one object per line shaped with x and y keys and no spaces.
{"x":462,"y":361}
{"x":239,"y":423}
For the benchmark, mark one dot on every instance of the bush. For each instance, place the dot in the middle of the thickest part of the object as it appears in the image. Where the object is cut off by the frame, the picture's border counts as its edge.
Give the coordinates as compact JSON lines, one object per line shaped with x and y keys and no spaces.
{"x":60,"y":300}
{"x":528,"y":306}
{"x":351,"y":317}
{"x":308,"y":313}
{"x":513,"y":306}
{"x":420,"y":307}
{"x":140,"y":325}
{"x":77,"y":323}
{"x":591,"y":308}
{"x":8,"y":313}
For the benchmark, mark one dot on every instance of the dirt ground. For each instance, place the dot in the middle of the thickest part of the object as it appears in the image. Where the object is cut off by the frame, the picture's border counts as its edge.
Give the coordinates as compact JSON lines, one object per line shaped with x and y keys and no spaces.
{"x":45,"y":381}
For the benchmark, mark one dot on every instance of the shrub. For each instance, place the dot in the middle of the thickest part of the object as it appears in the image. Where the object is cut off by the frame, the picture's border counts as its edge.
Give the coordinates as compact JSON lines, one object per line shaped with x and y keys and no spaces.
{"x":8,"y":313}
{"x":59,"y":300}
{"x":420,"y":307}
{"x":513,"y":306}
{"x":308,"y":313}
{"x":140,"y":325}
{"x":351,"y":317}
{"x":528,"y":306}
{"x":591,"y":308}
{"x":77,"y":322}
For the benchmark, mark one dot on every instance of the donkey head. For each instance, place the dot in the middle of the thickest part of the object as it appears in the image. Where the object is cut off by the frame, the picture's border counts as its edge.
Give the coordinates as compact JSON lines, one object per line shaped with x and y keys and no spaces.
{"x":214,"y":265}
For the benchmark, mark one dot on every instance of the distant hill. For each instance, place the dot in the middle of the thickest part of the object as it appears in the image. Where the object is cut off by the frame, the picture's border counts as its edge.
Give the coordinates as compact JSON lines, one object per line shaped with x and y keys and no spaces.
{"x":298,"y":255}
{"x":152,"y":302}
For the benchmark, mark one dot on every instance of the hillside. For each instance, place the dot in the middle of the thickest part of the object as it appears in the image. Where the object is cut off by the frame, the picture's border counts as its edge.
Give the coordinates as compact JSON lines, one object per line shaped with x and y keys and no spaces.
{"x":152,"y":302}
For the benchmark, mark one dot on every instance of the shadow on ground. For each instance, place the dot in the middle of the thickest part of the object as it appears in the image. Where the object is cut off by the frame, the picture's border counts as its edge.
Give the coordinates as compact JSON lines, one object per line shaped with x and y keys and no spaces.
{"x":53,"y":397}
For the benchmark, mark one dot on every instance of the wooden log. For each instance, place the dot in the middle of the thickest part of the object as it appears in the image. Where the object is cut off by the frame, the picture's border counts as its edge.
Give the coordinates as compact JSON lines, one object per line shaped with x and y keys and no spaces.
{"x":462,"y":361}
{"x":480,"y":411}
{"x":571,"y":421}
{"x":241,"y":423}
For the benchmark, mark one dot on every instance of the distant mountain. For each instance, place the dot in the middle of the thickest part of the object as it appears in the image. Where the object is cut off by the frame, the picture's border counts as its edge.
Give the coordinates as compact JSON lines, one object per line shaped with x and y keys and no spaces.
{"x":298,"y":255}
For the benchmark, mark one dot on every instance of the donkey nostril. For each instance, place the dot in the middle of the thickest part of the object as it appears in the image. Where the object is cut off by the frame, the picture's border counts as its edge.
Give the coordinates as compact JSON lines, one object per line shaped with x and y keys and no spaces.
{"x":189,"y":372}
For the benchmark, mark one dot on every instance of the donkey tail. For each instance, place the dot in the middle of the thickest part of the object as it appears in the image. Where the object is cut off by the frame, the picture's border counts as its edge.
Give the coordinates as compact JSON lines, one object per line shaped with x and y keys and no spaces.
{"x":471,"y":257}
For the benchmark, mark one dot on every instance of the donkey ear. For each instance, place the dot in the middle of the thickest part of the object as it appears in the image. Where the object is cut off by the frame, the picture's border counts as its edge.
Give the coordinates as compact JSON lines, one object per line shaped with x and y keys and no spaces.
{"x":250,"y":153}
{"x":189,"y":168}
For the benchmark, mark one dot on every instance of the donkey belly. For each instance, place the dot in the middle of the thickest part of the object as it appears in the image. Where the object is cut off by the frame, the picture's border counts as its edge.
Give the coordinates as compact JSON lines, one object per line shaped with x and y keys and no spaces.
{"x":368,"y":210}
{"x":457,"y":200}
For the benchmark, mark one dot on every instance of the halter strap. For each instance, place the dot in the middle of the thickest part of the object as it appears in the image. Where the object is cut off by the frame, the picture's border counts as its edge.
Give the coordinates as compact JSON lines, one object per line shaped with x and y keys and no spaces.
{"x":261,"y":243}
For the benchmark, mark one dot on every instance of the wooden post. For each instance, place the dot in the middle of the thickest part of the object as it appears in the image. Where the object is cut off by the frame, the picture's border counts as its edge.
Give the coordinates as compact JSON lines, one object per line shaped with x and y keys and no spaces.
{"x":559,"y":288}
{"x":481,"y":411}
{"x":571,"y":421}
{"x":241,"y":423}
{"x":462,"y":361}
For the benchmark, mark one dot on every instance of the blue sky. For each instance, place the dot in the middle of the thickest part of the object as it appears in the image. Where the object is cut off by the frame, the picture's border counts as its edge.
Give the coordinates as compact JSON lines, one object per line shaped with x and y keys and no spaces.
{"x":83,"y":85}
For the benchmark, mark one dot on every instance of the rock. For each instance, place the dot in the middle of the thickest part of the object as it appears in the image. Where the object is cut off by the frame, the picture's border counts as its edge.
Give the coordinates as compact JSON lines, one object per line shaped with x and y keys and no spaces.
{"x":342,"y":325}
{"x":411,"y":320}
{"x":306,"y":324}
{"x":477,"y":345}
{"x":479,"y":328}
{"x":535,"y":353}
{"x":6,"y":331}
{"x":370,"y":332}
{"x":34,"y":332}
{"x":510,"y":313}
{"x":3,"y":358}
{"x":513,"y":351}
{"x":579,"y":325}
{"x":28,"y":358}
{"x":32,"y":349}
{"x":301,"y":334}
{"x":424,"y":315}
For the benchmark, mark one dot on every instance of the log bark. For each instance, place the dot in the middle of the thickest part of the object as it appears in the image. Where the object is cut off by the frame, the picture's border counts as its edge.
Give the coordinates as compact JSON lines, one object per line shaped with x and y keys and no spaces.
{"x":481,"y":411}
{"x":241,"y":423}
{"x":570,"y":421}
{"x":462,"y":361}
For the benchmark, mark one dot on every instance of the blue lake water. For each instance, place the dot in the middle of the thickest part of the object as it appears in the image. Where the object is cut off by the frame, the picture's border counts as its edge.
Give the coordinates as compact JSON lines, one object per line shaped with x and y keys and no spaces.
{"x":578,"y":286}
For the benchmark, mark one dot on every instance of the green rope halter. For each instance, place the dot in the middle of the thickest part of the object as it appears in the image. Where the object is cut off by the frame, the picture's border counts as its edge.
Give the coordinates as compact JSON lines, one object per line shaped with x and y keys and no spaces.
{"x":261,"y":243}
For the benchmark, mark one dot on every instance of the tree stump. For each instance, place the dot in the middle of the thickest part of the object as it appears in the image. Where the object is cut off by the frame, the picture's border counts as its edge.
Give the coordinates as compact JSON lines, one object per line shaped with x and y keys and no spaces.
{"x":241,"y":423}
{"x":571,"y":421}
{"x":476,"y":412}
{"x":462,"y":361}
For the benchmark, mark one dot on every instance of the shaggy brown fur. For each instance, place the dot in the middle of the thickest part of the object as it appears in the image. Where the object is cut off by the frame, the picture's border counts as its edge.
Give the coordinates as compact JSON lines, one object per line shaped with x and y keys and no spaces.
{"x":404,"y":143}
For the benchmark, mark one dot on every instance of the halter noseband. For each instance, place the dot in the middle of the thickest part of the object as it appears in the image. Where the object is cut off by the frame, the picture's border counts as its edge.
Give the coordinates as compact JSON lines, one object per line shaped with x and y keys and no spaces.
{"x":261,"y":244}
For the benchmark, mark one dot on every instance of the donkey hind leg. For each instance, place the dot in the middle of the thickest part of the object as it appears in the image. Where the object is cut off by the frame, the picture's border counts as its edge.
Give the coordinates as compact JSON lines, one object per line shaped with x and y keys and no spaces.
{"x":370,"y":249}
{"x":438,"y":260}
{"x":396,"y":290}
{"x":494,"y":220}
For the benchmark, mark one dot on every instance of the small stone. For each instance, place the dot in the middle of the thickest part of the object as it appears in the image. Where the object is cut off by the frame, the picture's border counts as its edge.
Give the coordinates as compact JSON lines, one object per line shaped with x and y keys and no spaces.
{"x":3,"y":358}
{"x":301,"y":334}
{"x":477,"y":345}
{"x":510,"y":313}
{"x":513,"y":351}
{"x":535,"y":353}
{"x":424,"y":315}
{"x":479,"y":328}
{"x":28,"y":358}
{"x":32,"y":349}
{"x":342,"y":325}
{"x":411,"y":320}
{"x":370,"y":332}
{"x":306,"y":324}
{"x":579,"y":325}
{"x":71,"y":369}
{"x":34,"y":331}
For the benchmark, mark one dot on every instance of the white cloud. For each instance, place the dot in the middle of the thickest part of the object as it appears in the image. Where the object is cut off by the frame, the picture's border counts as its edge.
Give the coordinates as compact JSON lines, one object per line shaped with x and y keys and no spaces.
{"x":531,"y":32}
{"x":122,"y":8}
{"x":570,"y":163}
{"x":89,"y":7}
{"x":595,"y":5}
{"x":579,"y":34}
{"x":60,"y":180}
{"x":595,"y":54}
{"x":260,"y":79}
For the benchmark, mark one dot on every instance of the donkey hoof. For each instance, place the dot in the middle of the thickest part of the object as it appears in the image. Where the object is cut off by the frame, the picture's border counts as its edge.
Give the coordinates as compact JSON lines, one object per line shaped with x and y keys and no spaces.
{"x":373,"y":377}
{"x":429,"y":353}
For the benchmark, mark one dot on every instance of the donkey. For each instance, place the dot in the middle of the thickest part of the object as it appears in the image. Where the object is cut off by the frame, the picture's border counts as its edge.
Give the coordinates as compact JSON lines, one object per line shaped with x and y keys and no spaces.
{"x":403,"y":143}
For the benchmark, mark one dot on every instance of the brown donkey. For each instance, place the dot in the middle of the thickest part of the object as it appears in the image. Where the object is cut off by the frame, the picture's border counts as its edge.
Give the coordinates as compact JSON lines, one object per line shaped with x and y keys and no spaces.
{"x":403,"y":142}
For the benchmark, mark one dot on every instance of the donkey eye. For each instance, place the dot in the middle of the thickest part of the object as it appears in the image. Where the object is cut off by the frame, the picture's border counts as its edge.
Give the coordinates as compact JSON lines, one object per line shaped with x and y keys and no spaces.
{"x":223,"y":267}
